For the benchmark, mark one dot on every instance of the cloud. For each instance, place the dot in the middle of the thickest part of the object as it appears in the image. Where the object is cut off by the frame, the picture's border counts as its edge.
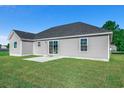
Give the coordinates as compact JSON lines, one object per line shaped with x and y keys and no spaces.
{"x":3,"y":40}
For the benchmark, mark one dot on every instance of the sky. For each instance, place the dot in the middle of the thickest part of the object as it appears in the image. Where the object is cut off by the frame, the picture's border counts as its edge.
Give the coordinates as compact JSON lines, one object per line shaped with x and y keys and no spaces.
{"x":38,"y":18}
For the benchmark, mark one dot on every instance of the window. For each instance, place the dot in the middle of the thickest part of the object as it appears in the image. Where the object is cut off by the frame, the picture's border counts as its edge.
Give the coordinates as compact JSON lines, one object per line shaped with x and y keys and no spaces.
{"x":50,"y":47}
{"x":15,"y":44}
{"x":38,"y":44}
{"x":53,"y":47}
{"x":83,"y":44}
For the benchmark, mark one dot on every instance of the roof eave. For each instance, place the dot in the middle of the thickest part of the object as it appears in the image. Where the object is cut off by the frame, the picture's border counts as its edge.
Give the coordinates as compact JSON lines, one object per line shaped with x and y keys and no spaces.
{"x":105,"y":33}
{"x":62,"y":37}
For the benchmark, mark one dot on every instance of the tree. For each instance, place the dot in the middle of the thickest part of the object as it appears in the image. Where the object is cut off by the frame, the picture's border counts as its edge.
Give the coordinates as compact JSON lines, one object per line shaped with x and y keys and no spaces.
{"x":7,"y":45}
{"x":114,"y":27}
{"x":0,"y":46}
{"x":111,"y":25}
{"x":119,"y":40}
{"x":118,"y":34}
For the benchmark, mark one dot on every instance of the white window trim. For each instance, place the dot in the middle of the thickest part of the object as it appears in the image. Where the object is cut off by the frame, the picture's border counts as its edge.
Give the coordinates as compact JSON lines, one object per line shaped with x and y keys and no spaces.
{"x":80,"y":44}
{"x":48,"y":47}
{"x":38,"y":44}
{"x":14,"y":44}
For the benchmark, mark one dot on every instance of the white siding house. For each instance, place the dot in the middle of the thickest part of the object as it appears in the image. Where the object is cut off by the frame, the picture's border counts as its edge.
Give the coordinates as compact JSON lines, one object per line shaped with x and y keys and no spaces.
{"x":78,"y":40}
{"x":18,"y":50}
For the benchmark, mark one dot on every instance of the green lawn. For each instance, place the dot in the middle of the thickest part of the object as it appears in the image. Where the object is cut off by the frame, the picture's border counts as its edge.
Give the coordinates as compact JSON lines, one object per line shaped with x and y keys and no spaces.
{"x":15,"y":72}
{"x":4,"y":53}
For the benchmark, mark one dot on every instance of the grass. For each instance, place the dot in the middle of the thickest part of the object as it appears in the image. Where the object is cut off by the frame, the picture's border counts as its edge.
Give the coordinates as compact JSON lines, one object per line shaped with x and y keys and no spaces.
{"x":117,"y":52}
{"x":4,"y":53}
{"x":66,"y":72}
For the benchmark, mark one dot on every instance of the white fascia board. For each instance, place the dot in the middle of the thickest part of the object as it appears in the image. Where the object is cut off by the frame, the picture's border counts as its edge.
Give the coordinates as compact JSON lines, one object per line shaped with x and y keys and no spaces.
{"x":62,"y":37}
{"x":75,"y":36}
{"x":11,"y":34}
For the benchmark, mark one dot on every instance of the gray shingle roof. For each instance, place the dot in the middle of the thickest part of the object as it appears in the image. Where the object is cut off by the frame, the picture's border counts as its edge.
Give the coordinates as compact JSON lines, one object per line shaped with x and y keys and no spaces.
{"x":77,"y":28}
{"x":24,"y":35}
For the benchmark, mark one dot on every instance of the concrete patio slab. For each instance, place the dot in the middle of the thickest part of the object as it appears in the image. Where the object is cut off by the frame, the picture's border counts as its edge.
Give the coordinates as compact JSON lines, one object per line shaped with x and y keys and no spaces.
{"x":43,"y":59}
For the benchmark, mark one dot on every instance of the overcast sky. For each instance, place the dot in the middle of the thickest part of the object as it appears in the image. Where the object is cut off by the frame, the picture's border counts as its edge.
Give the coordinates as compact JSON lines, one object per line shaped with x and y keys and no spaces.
{"x":38,"y":18}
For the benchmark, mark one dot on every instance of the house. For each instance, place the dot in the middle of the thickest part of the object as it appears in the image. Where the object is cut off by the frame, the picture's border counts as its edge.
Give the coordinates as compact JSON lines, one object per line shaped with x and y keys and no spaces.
{"x":3,"y":47}
{"x":113,"y":48}
{"x":78,"y":40}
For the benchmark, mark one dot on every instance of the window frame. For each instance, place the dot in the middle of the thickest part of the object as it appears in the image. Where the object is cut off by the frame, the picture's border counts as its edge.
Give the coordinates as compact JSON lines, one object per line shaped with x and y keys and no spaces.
{"x":39,"y":44}
{"x":53,"y":46}
{"x":80,"y":44}
{"x":15,"y":44}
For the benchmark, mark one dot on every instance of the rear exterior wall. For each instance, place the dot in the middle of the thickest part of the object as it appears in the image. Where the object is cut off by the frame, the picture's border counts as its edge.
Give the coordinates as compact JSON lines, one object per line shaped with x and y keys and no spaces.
{"x":98,"y":47}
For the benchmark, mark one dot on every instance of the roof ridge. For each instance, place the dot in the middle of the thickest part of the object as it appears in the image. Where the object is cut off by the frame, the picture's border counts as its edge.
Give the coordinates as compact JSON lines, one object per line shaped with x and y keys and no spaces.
{"x":23,"y":31}
{"x":24,"y":35}
{"x":60,"y":26}
{"x":75,"y":28}
{"x":94,"y":26}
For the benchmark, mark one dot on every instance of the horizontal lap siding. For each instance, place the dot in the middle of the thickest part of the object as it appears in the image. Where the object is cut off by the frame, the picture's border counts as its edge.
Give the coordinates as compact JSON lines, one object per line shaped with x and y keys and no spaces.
{"x":97,"y":47}
{"x":15,"y":51}
{"x":40,"y":50}
{"x":27,"y":48}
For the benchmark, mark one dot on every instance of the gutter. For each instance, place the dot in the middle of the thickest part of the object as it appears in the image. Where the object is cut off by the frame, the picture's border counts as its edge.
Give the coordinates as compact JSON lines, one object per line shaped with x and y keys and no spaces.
{"x":62,"y":37}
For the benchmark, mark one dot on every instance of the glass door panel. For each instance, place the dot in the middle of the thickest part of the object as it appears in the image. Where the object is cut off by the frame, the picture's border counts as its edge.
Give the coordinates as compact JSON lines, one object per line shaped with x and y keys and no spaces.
{"x":53,"y":47}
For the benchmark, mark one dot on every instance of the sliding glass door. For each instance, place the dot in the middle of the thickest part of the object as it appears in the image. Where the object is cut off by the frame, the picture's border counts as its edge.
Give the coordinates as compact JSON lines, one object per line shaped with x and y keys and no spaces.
{"x":53,"y":47}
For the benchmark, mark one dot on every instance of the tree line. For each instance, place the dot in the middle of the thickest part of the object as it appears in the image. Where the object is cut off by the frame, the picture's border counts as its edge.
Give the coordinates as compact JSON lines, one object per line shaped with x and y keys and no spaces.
{"x":118,"y":34}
